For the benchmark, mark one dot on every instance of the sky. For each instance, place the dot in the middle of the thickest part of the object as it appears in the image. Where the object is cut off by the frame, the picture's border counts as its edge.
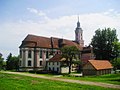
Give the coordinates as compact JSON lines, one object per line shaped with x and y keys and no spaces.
{"x":54,"y":18}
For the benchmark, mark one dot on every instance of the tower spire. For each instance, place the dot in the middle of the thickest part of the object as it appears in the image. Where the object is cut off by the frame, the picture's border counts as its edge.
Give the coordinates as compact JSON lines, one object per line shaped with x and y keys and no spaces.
{"x":79,"y":34}
{"x":78,"y":23}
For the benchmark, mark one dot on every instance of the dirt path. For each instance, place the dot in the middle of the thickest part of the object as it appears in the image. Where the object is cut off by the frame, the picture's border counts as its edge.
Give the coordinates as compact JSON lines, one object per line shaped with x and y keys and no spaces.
{"x":106,"y":85}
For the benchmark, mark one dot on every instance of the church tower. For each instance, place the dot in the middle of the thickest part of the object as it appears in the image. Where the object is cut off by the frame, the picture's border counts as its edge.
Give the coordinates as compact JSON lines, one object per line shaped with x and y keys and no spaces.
{"x":79,"y":34}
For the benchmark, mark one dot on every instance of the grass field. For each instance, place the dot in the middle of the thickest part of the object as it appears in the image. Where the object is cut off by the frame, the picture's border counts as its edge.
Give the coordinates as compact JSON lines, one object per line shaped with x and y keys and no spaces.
{"x":109,"y":78}
{"x":19,"y":82}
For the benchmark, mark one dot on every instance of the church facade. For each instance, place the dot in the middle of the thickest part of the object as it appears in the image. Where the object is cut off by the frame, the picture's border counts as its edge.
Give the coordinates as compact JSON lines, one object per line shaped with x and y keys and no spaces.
{"x":36,"y":51}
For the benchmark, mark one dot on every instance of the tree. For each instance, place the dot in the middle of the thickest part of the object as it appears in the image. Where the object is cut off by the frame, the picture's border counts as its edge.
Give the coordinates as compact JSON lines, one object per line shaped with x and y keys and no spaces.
{"x":116,"y":61}
{"x":70,"y":53}
{"x":116,"y":49}
{"x":9,"y":65}
{"x":12,"y":62}
{"x":1,"y":61}
{"x":102,"y":43}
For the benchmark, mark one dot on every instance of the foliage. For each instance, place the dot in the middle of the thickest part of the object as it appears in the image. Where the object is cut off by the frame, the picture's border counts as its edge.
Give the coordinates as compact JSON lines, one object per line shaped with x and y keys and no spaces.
{"x":102,"y":43}
{"x":79,"y":65}
{"x":12,"y":62}
{"x":1,"y":61}
{"x":116,"y":63}
{"x":19,"y":82}
{"x":70,"y":53}
{"x":116,"y":49}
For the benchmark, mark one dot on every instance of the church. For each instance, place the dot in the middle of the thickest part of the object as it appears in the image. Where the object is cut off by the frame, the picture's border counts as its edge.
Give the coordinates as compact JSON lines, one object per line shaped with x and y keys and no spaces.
{"x":36,"y":51}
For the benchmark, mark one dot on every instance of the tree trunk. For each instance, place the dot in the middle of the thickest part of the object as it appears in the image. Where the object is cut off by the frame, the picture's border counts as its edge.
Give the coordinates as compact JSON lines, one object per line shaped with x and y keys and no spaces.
{"x":70,"y":65}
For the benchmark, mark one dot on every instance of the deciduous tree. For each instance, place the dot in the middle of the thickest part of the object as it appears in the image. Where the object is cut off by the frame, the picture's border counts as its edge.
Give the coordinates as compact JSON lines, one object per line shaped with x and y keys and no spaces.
{"x":70,"y":53}
{"x":12,"y":62}
{"x":102,"y":43}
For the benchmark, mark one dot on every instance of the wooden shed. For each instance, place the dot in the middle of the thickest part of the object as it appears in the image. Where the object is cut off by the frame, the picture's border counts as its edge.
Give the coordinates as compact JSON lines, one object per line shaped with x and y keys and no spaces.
{"x":97,"y":67}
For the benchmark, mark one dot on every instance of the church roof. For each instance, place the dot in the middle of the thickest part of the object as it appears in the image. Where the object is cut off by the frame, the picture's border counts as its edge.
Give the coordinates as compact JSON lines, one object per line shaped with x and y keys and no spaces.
{"x":100,"y":64}
{"x":45,"y":42}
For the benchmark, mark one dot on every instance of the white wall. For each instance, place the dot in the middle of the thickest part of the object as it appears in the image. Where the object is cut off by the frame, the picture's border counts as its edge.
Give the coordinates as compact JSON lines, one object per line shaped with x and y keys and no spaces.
{"x":43,"y":59}
{"x":55,"y":66}
{"x":64,"y":69}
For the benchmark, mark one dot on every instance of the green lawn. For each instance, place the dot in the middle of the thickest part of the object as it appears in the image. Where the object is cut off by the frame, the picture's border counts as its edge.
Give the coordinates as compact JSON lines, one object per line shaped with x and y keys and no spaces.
{"x":19,"y":82}
{"x":109,"y":78}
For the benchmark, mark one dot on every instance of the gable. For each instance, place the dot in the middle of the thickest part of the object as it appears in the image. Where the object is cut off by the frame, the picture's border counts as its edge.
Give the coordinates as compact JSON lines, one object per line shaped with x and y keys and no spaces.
{"x":88,"y":66}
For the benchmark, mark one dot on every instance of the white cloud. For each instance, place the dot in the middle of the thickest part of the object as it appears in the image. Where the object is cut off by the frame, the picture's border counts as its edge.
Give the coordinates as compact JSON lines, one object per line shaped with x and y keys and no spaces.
{"x":35,"y":11}
{"x":13,"y":33}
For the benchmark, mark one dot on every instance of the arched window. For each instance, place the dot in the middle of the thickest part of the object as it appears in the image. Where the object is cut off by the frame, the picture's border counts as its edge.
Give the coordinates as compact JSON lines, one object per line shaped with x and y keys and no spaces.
{"x":40,"y":63}
{"x":29,"y":63}
{"x":29,"y":54}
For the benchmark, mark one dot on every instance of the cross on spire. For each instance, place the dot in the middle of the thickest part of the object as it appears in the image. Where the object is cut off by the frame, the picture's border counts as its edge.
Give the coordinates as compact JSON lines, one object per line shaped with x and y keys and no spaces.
{"x":78,"y":23}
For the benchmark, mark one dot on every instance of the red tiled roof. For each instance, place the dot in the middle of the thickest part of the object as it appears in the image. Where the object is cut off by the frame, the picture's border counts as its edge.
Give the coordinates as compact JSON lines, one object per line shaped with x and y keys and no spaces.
{"x":71,"y":43}
{"x":56,"y":58}
{"x":44,"y":42}
{"x":40,"y":41}
{"x":100,"y":64}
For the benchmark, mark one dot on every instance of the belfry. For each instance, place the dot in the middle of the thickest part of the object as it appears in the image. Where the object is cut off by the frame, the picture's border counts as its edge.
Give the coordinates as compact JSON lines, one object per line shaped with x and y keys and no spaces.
{"x":79,"y":34}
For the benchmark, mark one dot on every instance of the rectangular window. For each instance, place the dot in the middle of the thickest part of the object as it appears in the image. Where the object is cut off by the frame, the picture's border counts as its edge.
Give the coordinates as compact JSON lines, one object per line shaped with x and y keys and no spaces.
{"x":40,"y":63}
{"x":57,"y":69}
{"x":47,"y":54}
{"x":29,"y":63}
{"x":40,"y":53}
{"x":29,"y":54}
{"x":53,"y":69}
{"x":57,"y":63}
{"x":53,"y":63}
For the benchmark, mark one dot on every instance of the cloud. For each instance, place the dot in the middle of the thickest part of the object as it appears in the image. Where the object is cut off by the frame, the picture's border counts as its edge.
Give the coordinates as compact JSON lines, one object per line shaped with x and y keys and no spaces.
{"x":13,"y":33}
{"x":38,"y":12}
{"x":35,"y":11}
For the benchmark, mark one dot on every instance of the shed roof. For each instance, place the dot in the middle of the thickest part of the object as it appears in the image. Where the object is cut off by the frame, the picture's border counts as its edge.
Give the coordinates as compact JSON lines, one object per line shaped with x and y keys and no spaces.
{"x":100,"y":64}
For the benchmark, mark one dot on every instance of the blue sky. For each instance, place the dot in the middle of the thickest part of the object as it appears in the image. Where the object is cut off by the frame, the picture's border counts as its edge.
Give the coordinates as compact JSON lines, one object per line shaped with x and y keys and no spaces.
{"x":55,"y":18}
